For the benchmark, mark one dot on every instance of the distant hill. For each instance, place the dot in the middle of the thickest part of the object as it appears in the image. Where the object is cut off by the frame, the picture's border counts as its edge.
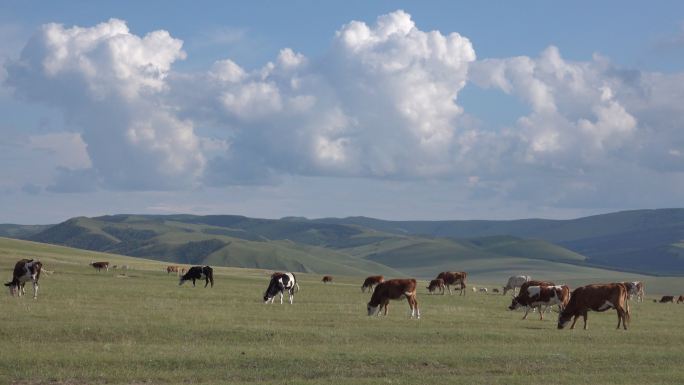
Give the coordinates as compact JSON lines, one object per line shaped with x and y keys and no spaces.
{"x":638,"y":240}
{"x":20,"y":231}
{"x":646,"y":241}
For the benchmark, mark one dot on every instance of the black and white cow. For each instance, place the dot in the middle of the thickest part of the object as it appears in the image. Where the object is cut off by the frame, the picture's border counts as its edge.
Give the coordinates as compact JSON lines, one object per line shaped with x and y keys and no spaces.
{"x":25,"y":270}
{"x":279,"y":283}
{"x":198,"y":272}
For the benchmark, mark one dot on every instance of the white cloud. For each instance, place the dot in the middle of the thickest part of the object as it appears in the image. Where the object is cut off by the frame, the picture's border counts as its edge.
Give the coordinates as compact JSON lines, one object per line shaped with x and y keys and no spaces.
{"x":68,"y":149}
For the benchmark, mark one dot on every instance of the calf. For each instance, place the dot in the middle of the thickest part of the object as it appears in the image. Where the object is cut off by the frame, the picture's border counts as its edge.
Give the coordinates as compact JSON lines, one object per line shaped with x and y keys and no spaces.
{"x":25,"y":270}
{"x":596,"y":298}
{"x":436,"y":284}
{"x":100,"y":265}
{"x":394,"y":289}
{"x":327,"y":279}
{"x":667,"y":298}
{"x":278,"y":284}
{"x":680,"y":299}
{"x":635,"y":289}
{"x":515,"y":281}
{"x":538,"y":296}
{"x":483,"y":290}
{"x":371,"y":282}
{"x":452,"y":278}
{"x":198,"y":272}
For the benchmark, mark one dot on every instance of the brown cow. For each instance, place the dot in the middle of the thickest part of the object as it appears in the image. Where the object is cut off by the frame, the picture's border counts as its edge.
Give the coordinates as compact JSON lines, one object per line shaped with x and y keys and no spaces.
{"x":527,"y":284}
{"x":599,"y":298}
{"x":25,"y":270}
{"x":100,"y":265}
{"x":327,"y":279}
{"x":371,"y":282}
{"x":667,"y":298}
{"x":394,"y":289}
{"x":436,"y":284}
{"x":452,"y":278}
{"x":538,"y":296}
{"x":173,"y":269}
{"x":680,"y":299}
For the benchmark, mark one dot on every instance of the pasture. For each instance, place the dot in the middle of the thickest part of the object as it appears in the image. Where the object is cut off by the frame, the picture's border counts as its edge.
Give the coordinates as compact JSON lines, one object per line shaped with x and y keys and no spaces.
{"x":141,"y":328}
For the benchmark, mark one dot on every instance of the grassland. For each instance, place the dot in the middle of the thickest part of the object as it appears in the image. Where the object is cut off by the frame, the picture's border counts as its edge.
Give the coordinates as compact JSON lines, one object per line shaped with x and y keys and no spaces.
{"x":141,"y":328}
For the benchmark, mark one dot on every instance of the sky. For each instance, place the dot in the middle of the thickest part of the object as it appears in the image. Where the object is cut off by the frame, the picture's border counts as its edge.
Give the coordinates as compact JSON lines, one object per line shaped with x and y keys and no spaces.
{"x":396,"y":110}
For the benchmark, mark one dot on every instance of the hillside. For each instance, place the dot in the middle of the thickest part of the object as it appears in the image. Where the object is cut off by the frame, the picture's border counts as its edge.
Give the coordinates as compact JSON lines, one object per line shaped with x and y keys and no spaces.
{"x":638,"y":240}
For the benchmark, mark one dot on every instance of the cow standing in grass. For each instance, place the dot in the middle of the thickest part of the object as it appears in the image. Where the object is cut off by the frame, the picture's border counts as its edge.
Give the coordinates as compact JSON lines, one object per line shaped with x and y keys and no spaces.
{"x":538,"y":296}
{"x":327,"y":279}
{"x":394,"y":289}
{"x":453,"y":278}
{"x":25,"y":270}
{"x":371,"y":282}
{"x":100,"y":265}
{"x":281,"y":282}
{"x":599,"y":298}
{"x":436,"y":284}
{"x":680,"y":299}
{"x":198,"y":272}
{"x":515,"y":281}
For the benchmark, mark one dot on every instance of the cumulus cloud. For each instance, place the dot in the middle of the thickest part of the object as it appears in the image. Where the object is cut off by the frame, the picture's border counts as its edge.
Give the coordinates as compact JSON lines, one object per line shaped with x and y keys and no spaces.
{"x":382,"y":102}
{"x":110,"y":84}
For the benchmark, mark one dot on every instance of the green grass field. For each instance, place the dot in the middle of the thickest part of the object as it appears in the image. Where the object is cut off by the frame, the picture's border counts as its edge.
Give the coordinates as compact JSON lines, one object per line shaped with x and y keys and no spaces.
{"x":141,"y":328}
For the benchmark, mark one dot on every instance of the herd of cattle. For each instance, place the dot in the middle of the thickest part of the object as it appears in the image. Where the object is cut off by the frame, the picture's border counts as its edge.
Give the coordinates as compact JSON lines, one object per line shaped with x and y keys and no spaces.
{"x":531,"y":294}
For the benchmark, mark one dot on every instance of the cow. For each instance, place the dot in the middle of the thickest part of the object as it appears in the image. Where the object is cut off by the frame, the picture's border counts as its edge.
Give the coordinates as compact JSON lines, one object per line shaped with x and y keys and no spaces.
{"x":515,"y":281}
{"x":666,"y":299}
{"x":680,"y":299}
{"x":100,"y":265}
{"x":173,"y":269}
{"x":280,"y":282}
{"x":452,"y":278}
{"x":538,"y":296}
{"x":495,"y":290}
{"x":25,"y":270}
{"x":394,"y":289}
{"x":635,"y":289}
{"x":371,"y":282}
{"x":483,"y":290}
{"x":436,"y":284}
{"x":599,"y":297}
{"x":327,"y":279}
{"x":198,"y":272}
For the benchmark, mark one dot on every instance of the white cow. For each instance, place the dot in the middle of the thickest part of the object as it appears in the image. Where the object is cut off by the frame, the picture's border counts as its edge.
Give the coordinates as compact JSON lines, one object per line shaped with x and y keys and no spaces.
{"x":515,"y":281}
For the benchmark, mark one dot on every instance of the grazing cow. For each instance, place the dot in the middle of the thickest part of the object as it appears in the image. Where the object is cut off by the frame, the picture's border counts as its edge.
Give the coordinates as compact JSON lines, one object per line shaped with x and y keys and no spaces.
{"x":495,"y":290}
{"x":635,"y":289}
{"x":436,"y":284}
{"x":667,"y":298}
{"x":680,"y":299}
{"x":278,"y":284}
{"x":538,"y":296}
{"x":25,"y":270}
{"x":327,"y":279}
{"x":599,"y":298}
{"x":173,"y":269}
{"x":452,"y":278}
{"x":394,"y":289}
{"x":198,"y":272}
{"x":483,"y":290}
{"x":515,"y":281}
{"x":371,"y":282}
{"x":100,"y":265}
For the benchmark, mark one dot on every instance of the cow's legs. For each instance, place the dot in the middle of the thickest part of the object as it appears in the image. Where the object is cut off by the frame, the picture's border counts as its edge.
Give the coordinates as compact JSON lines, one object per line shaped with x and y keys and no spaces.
{"x":584,"y":315}
{"x":193,"y":282}
{"x":35,"y":289}
{"x":386,"y":304}
{"x":541,"y":313}
{"x":449,"y":288}
{"x":574,"y":321}
{"x":291,"y":295}
{"x":527,"y":310}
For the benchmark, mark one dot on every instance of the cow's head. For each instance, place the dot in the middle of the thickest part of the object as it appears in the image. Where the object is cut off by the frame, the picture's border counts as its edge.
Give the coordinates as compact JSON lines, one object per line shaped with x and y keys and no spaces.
{"x":181,"y":281}
{"x":514,"y":304}
{"x":563,"y":319}
{"x":372,"y":310}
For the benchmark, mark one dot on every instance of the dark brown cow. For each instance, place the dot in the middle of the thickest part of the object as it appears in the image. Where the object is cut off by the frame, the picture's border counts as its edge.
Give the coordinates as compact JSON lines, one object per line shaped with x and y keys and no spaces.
{"x":436,"y":284}
{"x":667,"y":298}
{"x":680,"y":299}
{"x":327,"y":279}
{"x":371,"y":282}
{"x":25,"y":270}
{"x":394,"y":289}
{"x":100,"y":265}
{"x":599,"y":298}
{"x":538,"y":296}
{"x":452,"y":278}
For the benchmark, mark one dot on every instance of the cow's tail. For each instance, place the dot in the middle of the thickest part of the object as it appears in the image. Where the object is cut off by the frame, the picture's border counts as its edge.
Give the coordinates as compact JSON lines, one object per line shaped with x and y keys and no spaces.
{"x":296,"y":284}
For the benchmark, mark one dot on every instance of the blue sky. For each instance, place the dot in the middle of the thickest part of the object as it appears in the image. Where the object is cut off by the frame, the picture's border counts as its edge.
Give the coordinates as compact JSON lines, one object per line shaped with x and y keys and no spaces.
{"x":398,"y":110}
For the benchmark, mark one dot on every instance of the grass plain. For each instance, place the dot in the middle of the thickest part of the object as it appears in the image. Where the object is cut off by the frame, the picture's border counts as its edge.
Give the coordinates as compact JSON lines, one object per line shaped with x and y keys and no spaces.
{"x":140,"y":327}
